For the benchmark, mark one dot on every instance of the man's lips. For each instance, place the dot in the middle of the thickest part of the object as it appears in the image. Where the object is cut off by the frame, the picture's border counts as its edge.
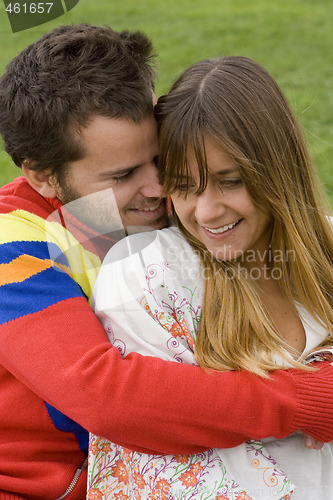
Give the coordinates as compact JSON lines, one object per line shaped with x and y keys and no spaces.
{"x":151,"y":208}
{"x":155,"y":209}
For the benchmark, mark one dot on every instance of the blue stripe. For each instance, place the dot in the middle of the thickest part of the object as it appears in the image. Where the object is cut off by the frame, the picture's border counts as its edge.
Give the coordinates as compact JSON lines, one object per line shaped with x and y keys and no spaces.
{"x":40,"y":249}
{"x":66,"y":424}
{"x":36,"y":293}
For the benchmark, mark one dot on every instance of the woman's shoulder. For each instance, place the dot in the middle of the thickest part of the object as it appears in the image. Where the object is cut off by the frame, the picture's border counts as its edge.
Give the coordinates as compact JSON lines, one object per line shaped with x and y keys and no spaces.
{"x":166,"y":242}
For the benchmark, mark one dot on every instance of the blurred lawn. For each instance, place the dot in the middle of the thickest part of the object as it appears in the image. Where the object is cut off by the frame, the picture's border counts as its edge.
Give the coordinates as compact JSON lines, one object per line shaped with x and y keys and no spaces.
{"x":293,"y":39}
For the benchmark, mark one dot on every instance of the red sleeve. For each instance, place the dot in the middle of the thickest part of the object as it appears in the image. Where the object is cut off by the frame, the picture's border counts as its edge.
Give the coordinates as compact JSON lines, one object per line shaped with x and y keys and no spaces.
{"x":63,"y":355}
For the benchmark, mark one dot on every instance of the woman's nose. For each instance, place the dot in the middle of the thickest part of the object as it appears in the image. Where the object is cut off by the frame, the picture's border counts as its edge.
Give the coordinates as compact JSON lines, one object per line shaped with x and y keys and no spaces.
{"x":209,"y":206}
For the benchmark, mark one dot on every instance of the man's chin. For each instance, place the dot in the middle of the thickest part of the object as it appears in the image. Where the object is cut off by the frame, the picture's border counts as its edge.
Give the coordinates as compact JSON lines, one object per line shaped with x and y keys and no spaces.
{"x":160,"y":223}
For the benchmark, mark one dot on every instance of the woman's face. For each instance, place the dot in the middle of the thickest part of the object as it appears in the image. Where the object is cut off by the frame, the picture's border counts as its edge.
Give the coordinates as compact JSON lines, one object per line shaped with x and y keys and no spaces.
{"x":223,"y":217}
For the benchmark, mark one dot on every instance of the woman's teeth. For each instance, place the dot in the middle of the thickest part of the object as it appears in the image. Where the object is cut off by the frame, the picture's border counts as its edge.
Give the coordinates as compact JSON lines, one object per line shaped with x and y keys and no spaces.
{"x":222,"y":229}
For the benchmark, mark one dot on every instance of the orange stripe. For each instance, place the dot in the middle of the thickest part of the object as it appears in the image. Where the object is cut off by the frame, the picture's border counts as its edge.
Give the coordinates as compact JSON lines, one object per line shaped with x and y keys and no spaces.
{"x":22,"y":268}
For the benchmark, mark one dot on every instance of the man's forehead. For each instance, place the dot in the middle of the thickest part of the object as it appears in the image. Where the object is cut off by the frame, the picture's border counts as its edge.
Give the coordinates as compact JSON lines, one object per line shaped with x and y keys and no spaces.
{"x":117,"y":132}
{"x":117,"y":145}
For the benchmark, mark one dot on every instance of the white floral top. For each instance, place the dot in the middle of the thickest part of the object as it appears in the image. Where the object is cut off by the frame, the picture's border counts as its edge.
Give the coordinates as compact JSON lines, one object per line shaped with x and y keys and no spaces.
{"x":148,"y":296}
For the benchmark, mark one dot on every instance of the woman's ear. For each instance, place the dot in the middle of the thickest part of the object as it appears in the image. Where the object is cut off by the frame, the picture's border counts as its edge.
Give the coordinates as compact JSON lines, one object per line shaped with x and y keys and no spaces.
{"x":169,"y":206}
{"x":40,"y":181}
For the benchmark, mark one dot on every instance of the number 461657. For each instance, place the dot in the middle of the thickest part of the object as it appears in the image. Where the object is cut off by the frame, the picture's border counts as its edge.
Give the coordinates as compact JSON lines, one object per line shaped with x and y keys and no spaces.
{"x":30,"y":8}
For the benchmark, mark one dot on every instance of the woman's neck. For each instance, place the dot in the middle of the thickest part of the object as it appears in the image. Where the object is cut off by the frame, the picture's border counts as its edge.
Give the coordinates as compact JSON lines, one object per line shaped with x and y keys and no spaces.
{"x":281,"y":310}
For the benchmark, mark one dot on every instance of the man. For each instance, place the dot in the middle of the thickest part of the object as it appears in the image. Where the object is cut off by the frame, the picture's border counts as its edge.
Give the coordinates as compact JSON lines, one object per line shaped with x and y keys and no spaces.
{"x":76,"y":116}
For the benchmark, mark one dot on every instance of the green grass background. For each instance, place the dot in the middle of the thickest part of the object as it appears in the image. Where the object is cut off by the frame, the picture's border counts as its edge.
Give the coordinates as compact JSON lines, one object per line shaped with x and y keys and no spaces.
{"x":293,"y":39}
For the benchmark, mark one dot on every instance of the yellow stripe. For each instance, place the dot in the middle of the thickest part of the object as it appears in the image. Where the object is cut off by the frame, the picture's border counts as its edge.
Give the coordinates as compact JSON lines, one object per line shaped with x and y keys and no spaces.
{"x":20,"y":225}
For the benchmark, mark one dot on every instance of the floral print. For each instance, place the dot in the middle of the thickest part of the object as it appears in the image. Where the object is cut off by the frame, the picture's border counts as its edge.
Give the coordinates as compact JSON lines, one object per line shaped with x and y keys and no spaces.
{"x":121,"y":473}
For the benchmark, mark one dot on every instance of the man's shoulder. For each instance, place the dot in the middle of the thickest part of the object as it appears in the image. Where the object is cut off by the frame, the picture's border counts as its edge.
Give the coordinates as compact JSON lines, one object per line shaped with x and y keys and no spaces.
{"x":9,"y":192}
{"x":18,"y":195}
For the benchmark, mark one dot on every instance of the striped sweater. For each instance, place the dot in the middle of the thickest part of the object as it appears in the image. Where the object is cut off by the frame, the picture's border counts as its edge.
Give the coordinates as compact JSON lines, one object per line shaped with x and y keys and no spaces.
{"x":60,"y":377}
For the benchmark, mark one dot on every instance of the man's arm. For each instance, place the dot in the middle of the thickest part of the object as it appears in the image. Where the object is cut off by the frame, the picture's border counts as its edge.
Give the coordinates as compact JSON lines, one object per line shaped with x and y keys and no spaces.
{"x":63,"y":355}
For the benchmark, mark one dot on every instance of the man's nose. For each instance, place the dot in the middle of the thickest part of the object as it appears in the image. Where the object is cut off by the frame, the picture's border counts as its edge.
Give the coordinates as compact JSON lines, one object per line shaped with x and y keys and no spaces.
{"x":151,"y":188}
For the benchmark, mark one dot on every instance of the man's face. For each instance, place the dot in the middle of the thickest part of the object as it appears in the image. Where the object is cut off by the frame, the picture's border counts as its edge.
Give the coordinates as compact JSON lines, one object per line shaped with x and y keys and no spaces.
{"x":121,"y":155}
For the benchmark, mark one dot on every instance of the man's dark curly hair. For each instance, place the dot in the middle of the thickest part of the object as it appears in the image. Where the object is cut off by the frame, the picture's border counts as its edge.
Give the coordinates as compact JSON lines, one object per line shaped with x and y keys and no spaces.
{"x":53,"y":87}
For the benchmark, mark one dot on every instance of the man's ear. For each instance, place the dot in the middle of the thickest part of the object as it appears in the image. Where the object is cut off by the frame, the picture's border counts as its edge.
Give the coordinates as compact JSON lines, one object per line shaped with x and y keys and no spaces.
{"x":39,"y":181}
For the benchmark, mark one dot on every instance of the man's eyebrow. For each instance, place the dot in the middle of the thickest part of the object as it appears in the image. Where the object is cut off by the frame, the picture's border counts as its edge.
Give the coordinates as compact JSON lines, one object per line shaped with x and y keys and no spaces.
{"x":120,"y":171}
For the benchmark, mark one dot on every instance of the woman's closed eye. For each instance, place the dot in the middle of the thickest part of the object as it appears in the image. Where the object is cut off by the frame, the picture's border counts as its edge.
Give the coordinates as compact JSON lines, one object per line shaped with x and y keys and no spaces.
{"x":186,"y":186}
{"x":230,"y":183}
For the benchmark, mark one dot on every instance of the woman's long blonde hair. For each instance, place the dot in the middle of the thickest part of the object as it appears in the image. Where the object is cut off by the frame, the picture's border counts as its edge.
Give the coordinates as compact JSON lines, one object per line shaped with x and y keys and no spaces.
{"x":236,"y":102}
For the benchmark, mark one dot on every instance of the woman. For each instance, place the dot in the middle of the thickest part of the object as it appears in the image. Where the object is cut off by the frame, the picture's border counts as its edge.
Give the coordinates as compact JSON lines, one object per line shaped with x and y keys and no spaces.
{"x":257,"y":254}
